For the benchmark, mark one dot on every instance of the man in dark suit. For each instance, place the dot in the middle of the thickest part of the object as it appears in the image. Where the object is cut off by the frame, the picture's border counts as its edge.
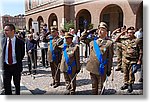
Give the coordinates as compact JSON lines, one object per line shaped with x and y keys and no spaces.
{"x":13,"y":54}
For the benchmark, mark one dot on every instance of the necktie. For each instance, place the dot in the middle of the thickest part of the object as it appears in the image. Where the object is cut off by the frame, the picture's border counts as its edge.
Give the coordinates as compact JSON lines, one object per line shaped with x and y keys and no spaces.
{"x":10,"y":60}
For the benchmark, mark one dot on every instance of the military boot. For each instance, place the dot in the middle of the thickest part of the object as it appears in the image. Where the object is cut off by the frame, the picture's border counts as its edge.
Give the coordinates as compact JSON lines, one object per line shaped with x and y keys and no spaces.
{"x":72,"y":93}
{"x":130,"y":89}
{"x":52,"y":83}
{"x":56,"y":85}
{"x":125,"y":86}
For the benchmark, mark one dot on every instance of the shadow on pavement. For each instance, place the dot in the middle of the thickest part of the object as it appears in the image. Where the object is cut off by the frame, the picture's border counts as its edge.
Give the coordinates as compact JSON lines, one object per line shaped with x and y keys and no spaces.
{"x":138,"y":86}
{"x":109,"y":92}
{"x":37,"y":91}
{"x":81,"y":82}
{"x":85,"y":92}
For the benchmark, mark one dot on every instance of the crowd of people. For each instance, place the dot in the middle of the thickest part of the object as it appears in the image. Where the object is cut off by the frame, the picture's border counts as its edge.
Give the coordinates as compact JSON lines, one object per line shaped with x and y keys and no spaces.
{"x":61,"y":52}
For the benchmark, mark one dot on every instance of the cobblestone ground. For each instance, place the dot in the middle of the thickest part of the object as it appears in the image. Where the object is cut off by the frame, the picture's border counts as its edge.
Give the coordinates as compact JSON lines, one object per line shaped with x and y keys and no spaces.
{"x":39,"y":84}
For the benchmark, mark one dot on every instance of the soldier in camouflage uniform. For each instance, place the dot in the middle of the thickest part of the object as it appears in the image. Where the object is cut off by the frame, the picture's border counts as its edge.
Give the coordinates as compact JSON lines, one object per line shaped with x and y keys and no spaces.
{"x":105,"y":46}
{"x":54,"y":57}
{"x":118,"y":47}
{"x":132,"y":55}
{"x":73,"y":62}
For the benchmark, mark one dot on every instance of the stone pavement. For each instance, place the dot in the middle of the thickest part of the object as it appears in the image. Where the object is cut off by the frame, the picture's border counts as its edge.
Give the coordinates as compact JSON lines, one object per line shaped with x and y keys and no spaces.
{"x":39,"y":84}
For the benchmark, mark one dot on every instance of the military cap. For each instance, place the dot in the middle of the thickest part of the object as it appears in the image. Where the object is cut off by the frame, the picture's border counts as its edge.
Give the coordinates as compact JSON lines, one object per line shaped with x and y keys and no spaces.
{"x":54,"y":29}
{"x":68,"y":35}
{"x":103,"y":25}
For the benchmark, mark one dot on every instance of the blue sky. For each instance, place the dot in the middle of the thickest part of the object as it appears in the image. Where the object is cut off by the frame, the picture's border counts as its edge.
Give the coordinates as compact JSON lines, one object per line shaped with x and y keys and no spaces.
{"x":12,"y":7}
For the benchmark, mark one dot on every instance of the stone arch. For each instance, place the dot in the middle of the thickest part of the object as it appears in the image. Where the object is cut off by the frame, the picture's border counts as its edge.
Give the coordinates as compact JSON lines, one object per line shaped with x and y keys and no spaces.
{"x":30,"y":23}
{"x":83,"y":18}
{"x":52,"y":21}
{"x":40,"y":23}
{"x":113,"y":15}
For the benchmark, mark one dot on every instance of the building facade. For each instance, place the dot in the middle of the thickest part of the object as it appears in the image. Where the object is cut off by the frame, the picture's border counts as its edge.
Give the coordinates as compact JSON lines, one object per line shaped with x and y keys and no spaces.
{"x":18,"y":21}
{"x":1,"y":23}
{"x":115,"y":13}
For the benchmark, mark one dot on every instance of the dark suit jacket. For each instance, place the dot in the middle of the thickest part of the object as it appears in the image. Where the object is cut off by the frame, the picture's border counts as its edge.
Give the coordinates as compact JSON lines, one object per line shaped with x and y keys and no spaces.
{"x":19,"y":50}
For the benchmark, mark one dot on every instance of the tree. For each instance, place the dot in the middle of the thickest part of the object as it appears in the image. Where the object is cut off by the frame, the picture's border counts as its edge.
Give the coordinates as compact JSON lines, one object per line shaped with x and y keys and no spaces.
{"x":68,"y":25}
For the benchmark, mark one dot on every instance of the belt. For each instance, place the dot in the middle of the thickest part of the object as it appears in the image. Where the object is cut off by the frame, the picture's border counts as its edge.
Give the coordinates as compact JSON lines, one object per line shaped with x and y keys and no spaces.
{"x":10,"y":64}
{"x":129,"y":58}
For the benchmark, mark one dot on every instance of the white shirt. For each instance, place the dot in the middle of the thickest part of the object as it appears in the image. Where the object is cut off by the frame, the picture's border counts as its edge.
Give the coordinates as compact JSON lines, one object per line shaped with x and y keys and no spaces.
{"x":75,"y":39}
{"x":138,"y":34}
{"x":78,"y":34}
{"x":44,"y":45}
{"x":13,"y":41}
{"x":63,"y":38}
{"x":35,"y":36}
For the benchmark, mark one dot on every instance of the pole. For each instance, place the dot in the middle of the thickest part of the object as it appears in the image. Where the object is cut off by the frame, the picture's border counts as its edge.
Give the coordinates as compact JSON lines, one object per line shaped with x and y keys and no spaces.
{"x":104,"y":85}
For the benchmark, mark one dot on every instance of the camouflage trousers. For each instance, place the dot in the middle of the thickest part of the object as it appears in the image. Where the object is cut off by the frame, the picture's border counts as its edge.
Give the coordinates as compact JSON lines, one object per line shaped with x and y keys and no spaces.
{"x":119,"y":57}
{"x":129,"y":76}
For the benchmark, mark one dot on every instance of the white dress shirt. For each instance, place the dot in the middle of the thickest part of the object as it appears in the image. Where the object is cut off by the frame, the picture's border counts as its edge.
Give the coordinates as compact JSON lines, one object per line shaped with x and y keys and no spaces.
{"x":75,"y":39}
{"x":13,"y":41}
{"x":138,"y":34}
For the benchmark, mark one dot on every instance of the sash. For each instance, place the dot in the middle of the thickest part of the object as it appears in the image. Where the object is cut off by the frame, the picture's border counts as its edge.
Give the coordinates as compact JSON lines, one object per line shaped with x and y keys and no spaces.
{"x":69,"y":70}
{"x":100,"y":58}
{"x":51,"y":48}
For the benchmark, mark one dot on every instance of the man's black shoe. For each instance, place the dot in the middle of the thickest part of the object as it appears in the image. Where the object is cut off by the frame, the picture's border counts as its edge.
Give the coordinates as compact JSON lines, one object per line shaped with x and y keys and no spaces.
{"x":52,"y":84}
{"x":130,"y":89}
{"x":56,"y":85}
{"x":125,"y":86}
{"x":34,"y":73}
{"x":72,"y":93}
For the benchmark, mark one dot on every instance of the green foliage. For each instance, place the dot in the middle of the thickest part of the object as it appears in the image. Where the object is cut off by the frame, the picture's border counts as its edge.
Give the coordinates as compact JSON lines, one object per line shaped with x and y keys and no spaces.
{"x":90,"y":26}
{"x":17,"y":29}
{"x":68,"y":25}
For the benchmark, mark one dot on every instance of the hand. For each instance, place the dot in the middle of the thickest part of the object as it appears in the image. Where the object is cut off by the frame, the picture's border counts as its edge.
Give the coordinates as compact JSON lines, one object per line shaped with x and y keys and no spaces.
{"x":108,"y":73}
{"x":123,"y":32}
{"x":139,"y":62}
{"x":29,"y":51}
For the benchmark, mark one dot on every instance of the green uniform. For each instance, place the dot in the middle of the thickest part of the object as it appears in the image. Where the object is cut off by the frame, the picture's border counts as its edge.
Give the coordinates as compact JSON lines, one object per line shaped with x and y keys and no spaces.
{"x":106,"y":48}
{"x":54,"y":63}
{"x":131,"y":51}
{"x":74,"y":57}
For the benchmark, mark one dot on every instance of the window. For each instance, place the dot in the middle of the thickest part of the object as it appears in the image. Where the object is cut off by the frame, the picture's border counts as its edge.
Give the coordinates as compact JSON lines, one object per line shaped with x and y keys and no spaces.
{"x":106,"y":18}
{"x":39,"y":2}
{"x":30,"y":4}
